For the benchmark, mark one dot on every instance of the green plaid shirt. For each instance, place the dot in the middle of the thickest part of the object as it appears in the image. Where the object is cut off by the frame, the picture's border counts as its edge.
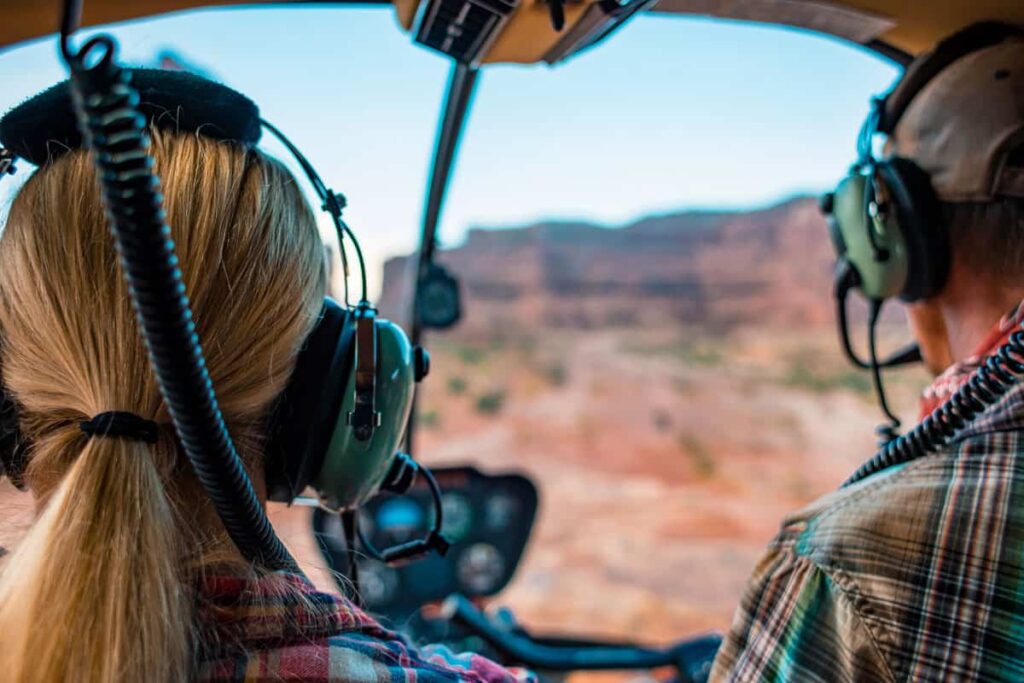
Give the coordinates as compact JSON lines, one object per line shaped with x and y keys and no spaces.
{"x":915,"y":574}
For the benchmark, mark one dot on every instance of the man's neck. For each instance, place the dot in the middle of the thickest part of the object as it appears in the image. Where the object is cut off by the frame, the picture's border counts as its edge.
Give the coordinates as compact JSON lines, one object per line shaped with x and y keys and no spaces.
{"x":974,"y":312}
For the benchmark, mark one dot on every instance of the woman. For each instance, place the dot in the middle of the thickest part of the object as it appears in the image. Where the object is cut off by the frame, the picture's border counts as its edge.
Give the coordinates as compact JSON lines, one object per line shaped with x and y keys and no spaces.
{"x":127,"y":573}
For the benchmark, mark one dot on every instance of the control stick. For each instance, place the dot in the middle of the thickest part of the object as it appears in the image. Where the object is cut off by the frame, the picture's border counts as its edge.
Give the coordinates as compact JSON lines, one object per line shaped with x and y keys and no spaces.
{"x":691,"y":658}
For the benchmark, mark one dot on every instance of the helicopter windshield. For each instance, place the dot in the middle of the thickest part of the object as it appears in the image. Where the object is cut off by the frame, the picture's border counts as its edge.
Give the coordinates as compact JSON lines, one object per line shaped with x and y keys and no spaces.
{"x":646,"y":315}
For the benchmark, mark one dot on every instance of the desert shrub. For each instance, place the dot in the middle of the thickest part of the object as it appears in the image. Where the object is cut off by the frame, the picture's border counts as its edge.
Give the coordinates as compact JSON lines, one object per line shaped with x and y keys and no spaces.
{"x":457,"y":385}
{"x":471,"y":355}
{"x":684,"y":386}
{"x":691,"y":352}
{"x":430,"y":419}
{"x":491,"y":402}
{"x":526,"y":345}
{"x":662,"y":420}
{"x":803,"y":376}
{"x":556,"y":375}
{"x":857,"y":381}
{"x":699,"y":454}
{"x":700,"y":353}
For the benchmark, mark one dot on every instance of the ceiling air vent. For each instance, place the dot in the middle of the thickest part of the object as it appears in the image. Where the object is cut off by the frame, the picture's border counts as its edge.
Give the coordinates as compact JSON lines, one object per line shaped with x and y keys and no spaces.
{"x":463,"y":29}
{"x":599,"y":21}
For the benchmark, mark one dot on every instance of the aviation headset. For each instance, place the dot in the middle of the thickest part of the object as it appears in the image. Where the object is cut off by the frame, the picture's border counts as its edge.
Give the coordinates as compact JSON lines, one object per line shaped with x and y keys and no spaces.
{"x":339,"y":421}
{"x":884,"y":217}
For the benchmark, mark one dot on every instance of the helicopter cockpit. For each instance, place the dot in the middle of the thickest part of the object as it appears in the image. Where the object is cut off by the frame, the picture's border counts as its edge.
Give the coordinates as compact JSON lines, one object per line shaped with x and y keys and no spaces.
{"x":575,"y":378}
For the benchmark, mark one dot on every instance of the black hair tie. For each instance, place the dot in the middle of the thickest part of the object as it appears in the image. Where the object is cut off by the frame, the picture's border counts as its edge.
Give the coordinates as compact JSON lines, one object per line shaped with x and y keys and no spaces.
{"x":119,"y":423}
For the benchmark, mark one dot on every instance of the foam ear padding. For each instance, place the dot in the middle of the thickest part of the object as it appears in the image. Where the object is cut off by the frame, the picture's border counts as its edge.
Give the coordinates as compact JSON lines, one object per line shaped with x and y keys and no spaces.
{"x":13,"y":450}
{"x":304,"y":419}
{"x":924,"y":232}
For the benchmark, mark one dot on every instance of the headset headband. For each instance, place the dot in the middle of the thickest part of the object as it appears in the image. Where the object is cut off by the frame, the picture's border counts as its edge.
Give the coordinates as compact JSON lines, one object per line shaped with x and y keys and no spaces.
{"x":44,"y":127}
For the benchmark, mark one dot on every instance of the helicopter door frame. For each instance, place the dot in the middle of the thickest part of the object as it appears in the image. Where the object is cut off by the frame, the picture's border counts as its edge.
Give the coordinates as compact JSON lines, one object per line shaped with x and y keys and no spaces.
{"x":461,"y":88}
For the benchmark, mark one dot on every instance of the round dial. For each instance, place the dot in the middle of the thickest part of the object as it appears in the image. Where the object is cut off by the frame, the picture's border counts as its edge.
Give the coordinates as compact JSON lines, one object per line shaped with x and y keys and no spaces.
{"x":458,"y":516}
{"x":501,"y":511}
{"x":437,"y":299}
{"x":399,"y":520}
{"x":377,"y":583}
{"x":481,"y":568}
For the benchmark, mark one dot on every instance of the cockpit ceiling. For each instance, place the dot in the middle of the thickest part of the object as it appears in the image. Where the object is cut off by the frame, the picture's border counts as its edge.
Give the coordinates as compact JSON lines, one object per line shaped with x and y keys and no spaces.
{"x":527,"y":35}
{"x":908,"y":25}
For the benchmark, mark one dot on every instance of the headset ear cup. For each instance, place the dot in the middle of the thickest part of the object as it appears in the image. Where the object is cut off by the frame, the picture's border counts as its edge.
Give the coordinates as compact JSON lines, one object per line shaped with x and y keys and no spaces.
{"x":876,"y":258}
{"x":13,"y":450}
{"x":920,"y":221}
{"x":303,"y":421}
{"x":354,"y":468}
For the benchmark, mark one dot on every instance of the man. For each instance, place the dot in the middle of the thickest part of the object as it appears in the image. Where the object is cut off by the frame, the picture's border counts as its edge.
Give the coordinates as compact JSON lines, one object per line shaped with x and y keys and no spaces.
{"x":917,"y":572}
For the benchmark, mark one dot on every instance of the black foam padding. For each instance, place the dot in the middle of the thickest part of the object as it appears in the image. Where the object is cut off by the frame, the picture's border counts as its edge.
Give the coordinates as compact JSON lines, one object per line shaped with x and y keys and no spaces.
{"x":925,"y":234}
{"x":44,"y":127}
{"x":303,"y":421}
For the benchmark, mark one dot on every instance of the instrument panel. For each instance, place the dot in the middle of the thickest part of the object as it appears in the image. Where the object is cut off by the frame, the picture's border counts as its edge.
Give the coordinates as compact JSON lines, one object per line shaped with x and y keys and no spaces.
{"x":487,"y":518}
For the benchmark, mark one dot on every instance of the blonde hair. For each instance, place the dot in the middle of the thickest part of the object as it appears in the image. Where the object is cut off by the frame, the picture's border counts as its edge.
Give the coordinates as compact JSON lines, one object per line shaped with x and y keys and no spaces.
{"x":100,"y":588}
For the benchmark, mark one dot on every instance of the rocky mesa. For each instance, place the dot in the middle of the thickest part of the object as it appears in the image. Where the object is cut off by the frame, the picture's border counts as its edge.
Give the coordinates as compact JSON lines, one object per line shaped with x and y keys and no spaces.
{"x":716,"y":269}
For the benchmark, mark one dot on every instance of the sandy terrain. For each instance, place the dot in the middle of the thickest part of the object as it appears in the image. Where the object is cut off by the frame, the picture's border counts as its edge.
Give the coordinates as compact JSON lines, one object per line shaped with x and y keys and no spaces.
{"x":664,"y":465}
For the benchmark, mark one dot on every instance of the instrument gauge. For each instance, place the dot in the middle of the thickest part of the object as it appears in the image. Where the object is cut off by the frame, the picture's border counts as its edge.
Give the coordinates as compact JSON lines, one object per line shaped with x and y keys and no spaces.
{"x":438,"y":302}
{"x":481,"y":568}
{"x":500,"y":511}
{"x":458,"y":516}
{"x":400,"y":520}
{"x":377,"y":584}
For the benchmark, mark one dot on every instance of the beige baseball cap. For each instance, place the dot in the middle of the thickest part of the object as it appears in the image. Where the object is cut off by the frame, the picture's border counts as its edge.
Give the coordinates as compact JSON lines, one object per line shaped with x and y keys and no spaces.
{"x":963,"y":125}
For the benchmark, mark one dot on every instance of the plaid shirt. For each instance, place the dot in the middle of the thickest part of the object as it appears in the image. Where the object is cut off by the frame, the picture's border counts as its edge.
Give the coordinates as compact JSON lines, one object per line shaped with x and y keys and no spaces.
{"x":914,"y":574}
{"x":279,"y":628}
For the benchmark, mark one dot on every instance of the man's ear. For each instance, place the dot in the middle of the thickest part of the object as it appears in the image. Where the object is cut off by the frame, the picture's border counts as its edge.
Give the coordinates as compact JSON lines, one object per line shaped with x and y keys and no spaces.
{"x":928,"y":326}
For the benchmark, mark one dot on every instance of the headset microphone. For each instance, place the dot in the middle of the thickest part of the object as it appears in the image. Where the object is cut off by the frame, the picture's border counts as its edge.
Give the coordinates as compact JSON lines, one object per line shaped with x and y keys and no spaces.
{"x":847,"y":279}
{"x":433,"y":542}
{"x":845,"y":282}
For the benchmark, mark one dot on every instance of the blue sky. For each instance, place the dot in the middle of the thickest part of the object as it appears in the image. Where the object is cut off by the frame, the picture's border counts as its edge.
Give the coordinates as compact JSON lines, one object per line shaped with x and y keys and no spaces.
{"x":670,"y":113}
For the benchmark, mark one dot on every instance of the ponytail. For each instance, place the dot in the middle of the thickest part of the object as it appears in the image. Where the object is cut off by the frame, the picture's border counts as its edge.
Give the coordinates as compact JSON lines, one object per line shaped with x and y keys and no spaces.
{"x":93,"y":591}
{"x":101,"y":589}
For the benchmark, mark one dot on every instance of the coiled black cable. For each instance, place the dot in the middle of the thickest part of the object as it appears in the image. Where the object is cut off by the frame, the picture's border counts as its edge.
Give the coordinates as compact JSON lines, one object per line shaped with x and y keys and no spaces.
{"x":107,"y":108}
{"x":990,"y":383}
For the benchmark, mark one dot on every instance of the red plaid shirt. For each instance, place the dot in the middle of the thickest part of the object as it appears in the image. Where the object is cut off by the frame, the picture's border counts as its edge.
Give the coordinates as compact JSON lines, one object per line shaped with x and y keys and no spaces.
{"x":279,"y":628}
{"x":913,"y":574}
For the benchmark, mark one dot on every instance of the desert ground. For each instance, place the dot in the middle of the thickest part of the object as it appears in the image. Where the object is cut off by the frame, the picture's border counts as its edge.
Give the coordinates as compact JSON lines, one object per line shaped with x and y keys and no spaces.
{"x":665,"y":461}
